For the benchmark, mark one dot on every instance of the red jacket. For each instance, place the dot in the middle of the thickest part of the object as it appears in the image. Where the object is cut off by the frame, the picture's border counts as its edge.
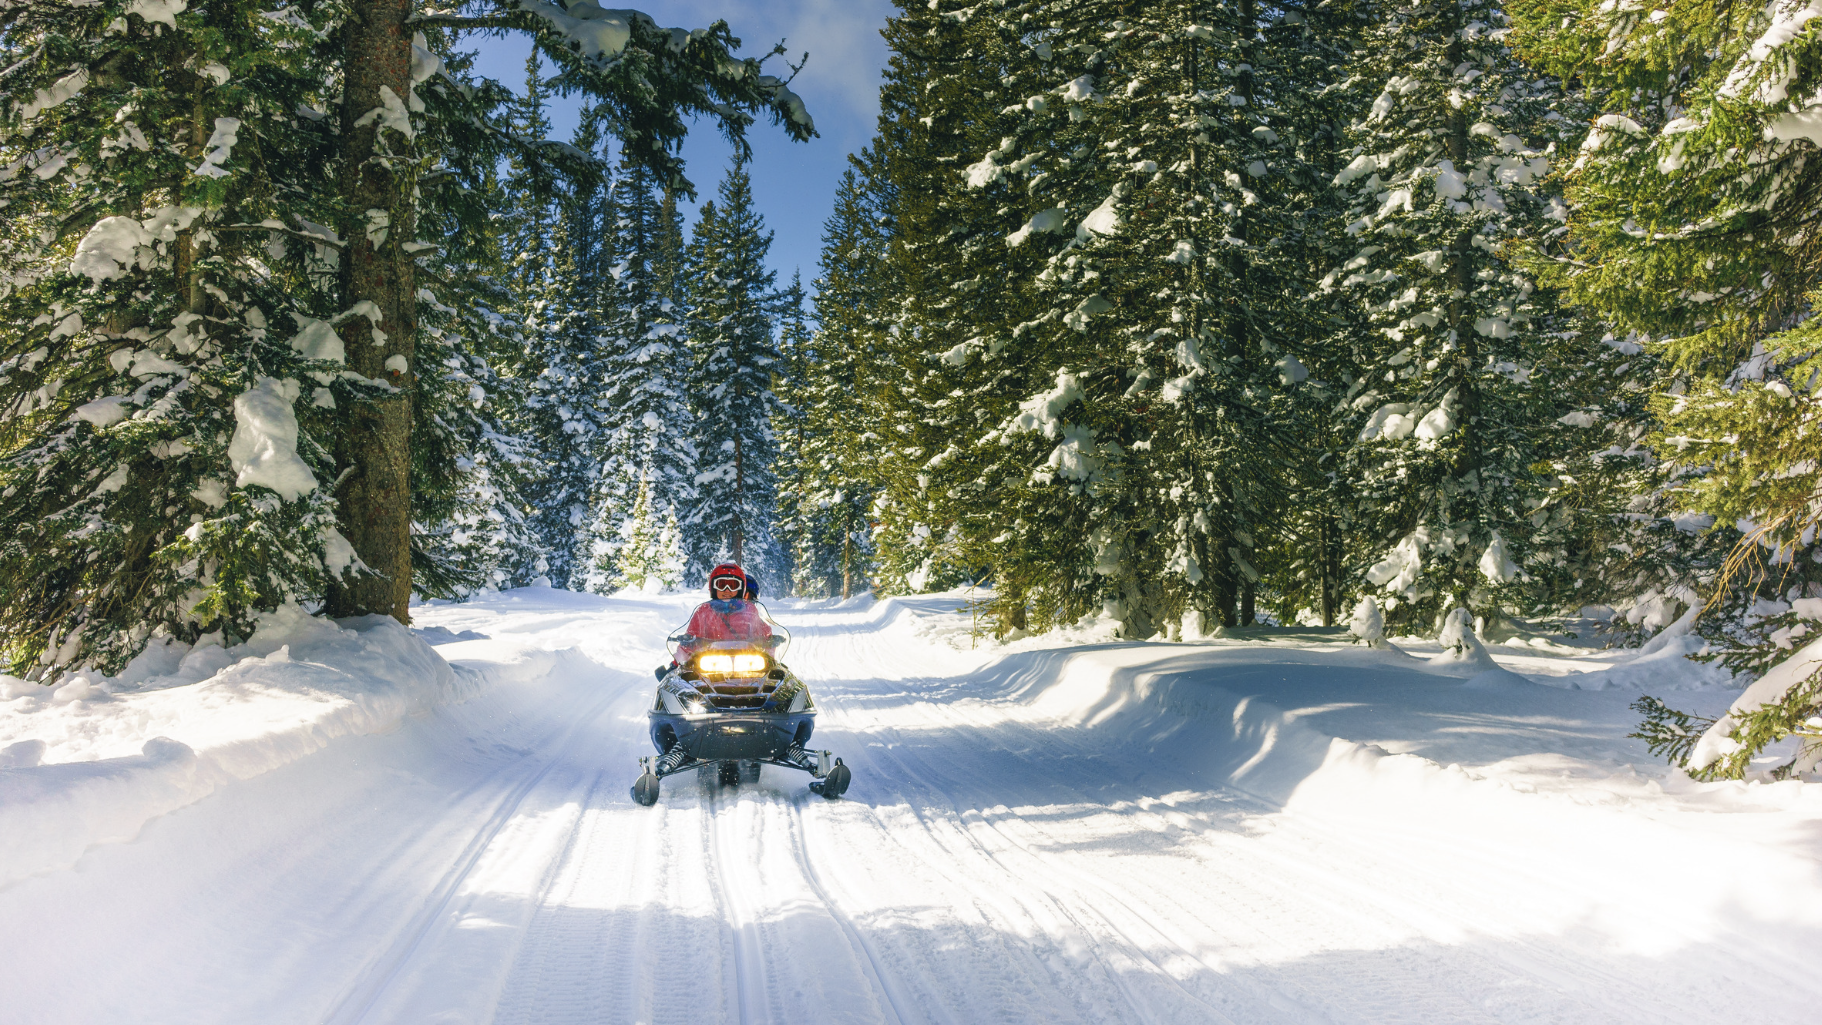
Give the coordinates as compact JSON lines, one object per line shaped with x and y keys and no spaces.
{"x":740,"y":621}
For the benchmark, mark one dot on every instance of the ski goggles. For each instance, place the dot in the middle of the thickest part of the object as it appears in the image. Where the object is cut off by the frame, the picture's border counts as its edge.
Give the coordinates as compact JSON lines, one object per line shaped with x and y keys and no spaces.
{"x":734,"y":584}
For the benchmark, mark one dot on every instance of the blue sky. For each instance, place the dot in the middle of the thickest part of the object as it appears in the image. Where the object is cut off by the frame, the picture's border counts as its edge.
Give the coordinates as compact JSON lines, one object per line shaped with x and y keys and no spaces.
{"x":793,"y":183}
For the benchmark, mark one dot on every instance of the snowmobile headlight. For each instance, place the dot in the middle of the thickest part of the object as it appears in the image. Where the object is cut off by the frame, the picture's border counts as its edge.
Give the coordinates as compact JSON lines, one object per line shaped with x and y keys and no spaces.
{"x":749,"y":663}
{"x":716,"y":663}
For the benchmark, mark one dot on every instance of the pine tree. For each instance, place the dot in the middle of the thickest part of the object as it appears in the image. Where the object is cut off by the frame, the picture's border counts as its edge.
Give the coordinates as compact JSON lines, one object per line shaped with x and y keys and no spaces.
{"x":1460,"y":377}
{"x":167,"y":361}
{"x":1692,"y":222}
{"x":945,"y":288}
{"x":790,"y":384}
{"x":734,"y":355}
{"x":833,"y":484}
{"x":1107,"y":432}
{"x":649,"y":554}
{"x":651,"y":78}
{"x":561,"y":276}
{"x":648,"y":455}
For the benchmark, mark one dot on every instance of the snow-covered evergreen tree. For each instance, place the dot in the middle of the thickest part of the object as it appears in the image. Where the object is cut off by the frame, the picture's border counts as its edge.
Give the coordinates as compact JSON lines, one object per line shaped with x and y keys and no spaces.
{"x":649,"y":554}
{"x":1104,"y":436}
{"x":734,"y":355}
{"x":560,"y":276}
{"x":167,"y":362}
{"x":944,"y":286}
{"x":834,"y":481}
{"x":1693,"y":212}
{"x":469,"y":467}
{"x":1462,"y":374}
{"x":648,"y":453}
{"x":789,"y":384}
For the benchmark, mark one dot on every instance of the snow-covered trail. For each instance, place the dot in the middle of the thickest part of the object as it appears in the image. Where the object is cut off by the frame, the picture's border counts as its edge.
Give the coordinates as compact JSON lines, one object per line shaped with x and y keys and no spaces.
{"x":1121,"y":834}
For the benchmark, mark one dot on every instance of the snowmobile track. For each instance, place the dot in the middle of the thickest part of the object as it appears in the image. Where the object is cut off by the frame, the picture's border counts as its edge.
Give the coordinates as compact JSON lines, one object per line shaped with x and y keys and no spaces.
{"x":722,"y":810}
{"x":882,"y":981}
{"x":357,"y":1002}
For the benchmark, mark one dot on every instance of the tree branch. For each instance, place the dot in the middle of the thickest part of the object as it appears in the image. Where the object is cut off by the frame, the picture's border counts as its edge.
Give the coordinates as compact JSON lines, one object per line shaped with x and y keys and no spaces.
{"x":463,"y":22}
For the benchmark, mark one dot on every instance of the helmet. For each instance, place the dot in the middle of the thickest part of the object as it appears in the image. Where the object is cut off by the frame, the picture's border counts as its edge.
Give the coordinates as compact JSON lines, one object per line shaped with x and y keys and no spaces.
{"x":752,"y":587}
{"x":727,"y":570}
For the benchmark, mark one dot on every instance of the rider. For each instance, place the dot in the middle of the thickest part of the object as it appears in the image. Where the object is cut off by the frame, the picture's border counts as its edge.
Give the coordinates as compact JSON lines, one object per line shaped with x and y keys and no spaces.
{"x":727,"y":615}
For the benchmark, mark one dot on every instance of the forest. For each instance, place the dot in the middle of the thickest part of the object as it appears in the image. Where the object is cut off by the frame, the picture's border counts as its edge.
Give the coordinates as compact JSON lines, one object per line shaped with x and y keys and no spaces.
{"x":1193,"y":317}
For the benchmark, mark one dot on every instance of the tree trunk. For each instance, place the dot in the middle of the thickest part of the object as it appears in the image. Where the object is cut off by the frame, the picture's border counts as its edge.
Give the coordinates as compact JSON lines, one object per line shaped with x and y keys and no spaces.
{"x":740,"y":488}
{"x":374,"y":445}
{"x":1226,"y":589}
{"x":1247,"y":594}
{"x":1329,"y":562}
{"x":847,"y":560}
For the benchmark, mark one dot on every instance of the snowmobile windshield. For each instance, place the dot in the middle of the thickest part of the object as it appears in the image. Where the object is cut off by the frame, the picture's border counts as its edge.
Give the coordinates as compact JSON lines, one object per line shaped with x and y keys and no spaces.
{"x":735,"y":625}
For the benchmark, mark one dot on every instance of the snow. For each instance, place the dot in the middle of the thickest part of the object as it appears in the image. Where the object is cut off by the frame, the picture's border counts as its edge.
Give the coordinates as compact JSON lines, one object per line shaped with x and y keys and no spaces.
{"x":1367,"y":623}
{"x":338,"y":555}
{"x":158,"y":11}
{"x":1052,"y":219}
{"x":1102,"y":220}
{"x":263,"y":450}
{"x":104,"y":761}
{"x":315,"y":339}
{"x":343,"y":824}
{"x":1495,"y":564}
{"x":106,"y":411}
{"x":1291,"y":370}
{"x":1076,"y":457}
{"x":1398,"y":571}
{"x":56,"y":94}
{"x":110,"y":249}
{"x":1459,"y":644}
{"x":1437,"y":423}
{"x":1044,"y":411}
{"x":1450,"y":184}
{"x":220,"y":148}
{"x":1787,"y":21}
{"x":1804,"y":124}
{"x":424,"y":63}
{"x":1389,"y":421}
{"x":595,"y":32}
{"x":1078,"y":90}
{"x":391,"y":113}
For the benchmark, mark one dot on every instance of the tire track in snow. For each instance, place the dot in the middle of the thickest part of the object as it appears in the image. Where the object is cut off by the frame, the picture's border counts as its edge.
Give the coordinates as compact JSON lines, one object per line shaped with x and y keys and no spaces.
{"x":380,"y":973}
{"x":1046,"y":910}
{"x":1273,"y":893}
{"x":721,"y":814}
{"x":883,"y":982}
{"x":534,"y":942}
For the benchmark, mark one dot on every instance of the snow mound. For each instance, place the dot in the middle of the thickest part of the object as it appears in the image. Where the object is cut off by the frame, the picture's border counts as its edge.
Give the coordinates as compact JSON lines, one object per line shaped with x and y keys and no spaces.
{"x":1460,"y":647}
{"x":94,"y":759}
{"x":1667,"y":668}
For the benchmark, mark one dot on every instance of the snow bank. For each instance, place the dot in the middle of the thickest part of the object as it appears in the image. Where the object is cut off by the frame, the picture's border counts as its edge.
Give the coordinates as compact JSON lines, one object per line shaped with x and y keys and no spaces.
{"x":1656,"y":668}
{"x":94,"y":759}
{"x":1184,"y":706}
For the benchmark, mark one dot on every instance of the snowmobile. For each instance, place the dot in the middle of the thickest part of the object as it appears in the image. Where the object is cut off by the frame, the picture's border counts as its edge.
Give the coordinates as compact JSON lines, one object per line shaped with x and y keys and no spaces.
{"x":730,"y":707}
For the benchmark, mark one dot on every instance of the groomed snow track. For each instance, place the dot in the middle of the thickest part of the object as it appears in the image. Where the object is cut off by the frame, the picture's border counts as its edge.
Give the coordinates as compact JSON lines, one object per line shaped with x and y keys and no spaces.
{"x":1047,"y":837}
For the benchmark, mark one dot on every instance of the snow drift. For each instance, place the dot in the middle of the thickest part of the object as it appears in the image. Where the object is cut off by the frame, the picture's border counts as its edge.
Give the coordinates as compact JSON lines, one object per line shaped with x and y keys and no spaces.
{"x":93,"y":759}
